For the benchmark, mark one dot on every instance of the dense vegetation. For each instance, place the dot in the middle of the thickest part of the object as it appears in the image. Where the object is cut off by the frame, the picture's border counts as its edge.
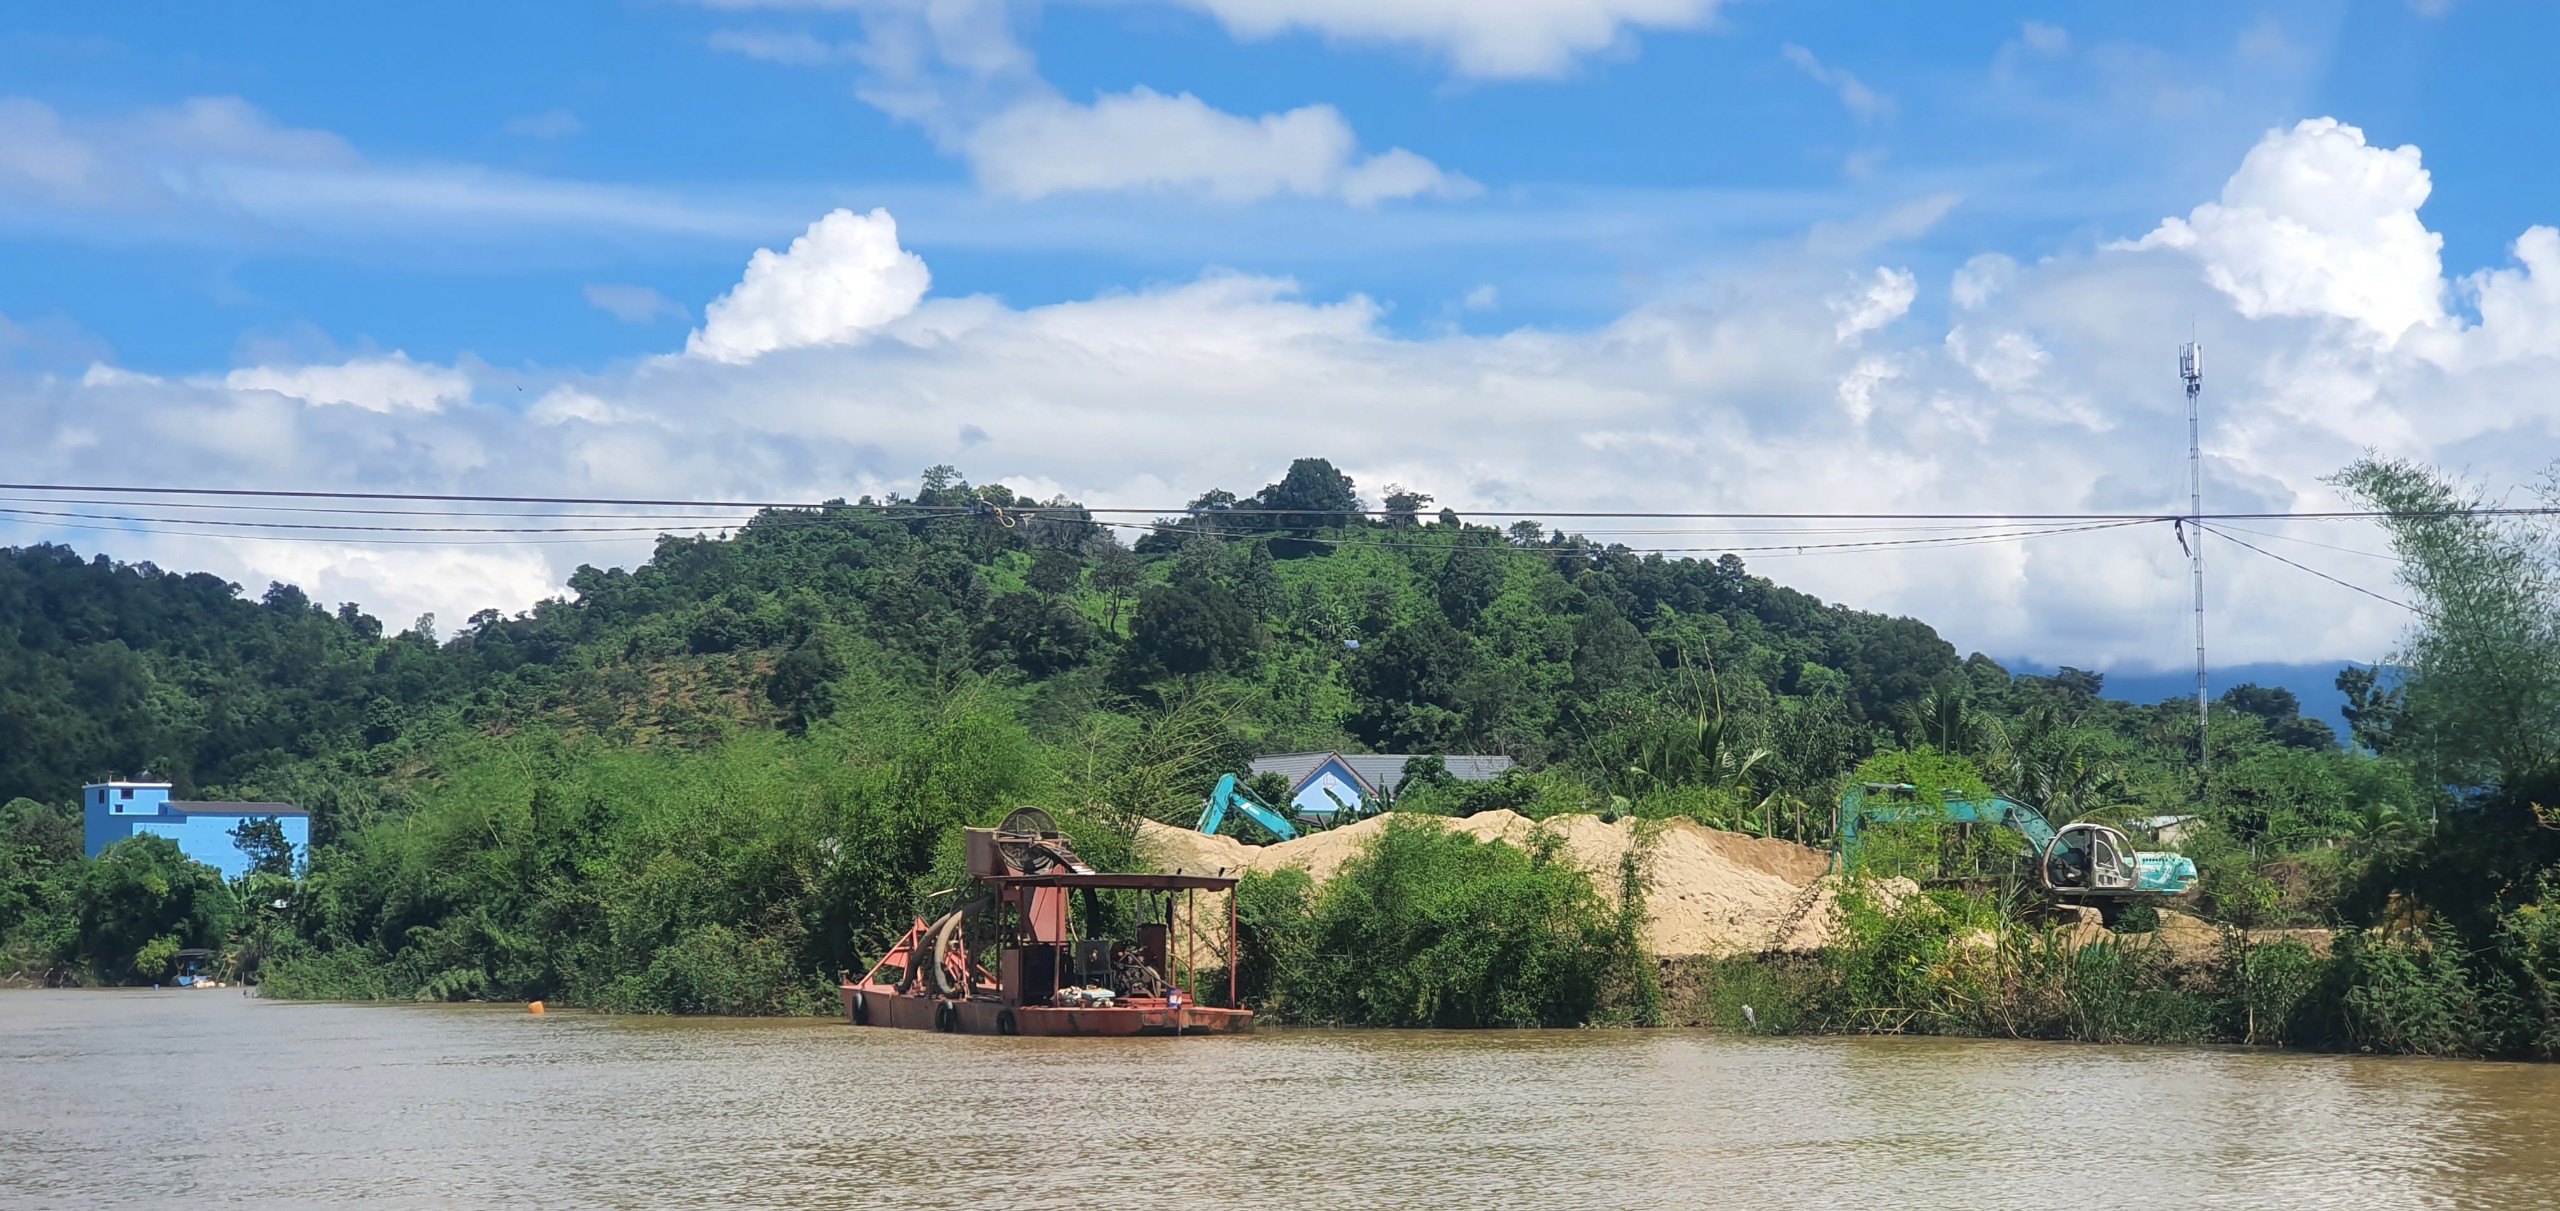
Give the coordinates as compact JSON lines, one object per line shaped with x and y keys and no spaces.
{"x":711,"y":782}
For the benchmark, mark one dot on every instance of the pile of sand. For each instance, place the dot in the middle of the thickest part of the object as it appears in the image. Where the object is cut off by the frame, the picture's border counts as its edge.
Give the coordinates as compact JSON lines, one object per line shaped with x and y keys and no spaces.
{"x":1708,"y":892}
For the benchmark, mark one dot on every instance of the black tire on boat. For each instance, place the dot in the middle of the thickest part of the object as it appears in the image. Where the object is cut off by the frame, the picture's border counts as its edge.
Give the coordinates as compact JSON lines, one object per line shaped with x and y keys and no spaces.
{"x":861,"y":1010}
{"x":1005,"y":1023}
{"x":946,"y":1017}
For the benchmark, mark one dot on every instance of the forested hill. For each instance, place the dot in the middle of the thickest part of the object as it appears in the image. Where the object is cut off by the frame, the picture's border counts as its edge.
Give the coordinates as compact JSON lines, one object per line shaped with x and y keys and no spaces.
{"x":1326,"y":628}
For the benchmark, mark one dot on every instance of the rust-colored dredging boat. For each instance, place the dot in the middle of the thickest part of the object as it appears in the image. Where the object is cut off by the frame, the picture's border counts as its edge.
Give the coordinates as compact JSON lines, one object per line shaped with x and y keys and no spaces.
{"x":1050,"y":977}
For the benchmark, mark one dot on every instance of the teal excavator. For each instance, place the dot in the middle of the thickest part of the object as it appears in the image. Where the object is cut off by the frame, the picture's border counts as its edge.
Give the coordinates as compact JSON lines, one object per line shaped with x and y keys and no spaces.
{"x":1232,"y":797}
{"x":2083,"y":862}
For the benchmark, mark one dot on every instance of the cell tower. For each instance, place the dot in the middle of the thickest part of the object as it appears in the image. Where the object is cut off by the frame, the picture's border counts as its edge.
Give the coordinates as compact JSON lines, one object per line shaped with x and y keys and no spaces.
{"x":2191,"y":368}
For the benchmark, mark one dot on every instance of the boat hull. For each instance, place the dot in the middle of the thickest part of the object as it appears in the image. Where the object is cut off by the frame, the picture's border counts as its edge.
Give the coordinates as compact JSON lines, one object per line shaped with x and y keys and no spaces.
{"x":866,"y":1006}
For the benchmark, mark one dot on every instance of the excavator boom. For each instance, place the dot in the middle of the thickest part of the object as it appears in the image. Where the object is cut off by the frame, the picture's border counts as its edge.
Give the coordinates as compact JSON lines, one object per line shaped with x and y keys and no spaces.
{"x":2165,"y":874}
{"x":1213,"y":814}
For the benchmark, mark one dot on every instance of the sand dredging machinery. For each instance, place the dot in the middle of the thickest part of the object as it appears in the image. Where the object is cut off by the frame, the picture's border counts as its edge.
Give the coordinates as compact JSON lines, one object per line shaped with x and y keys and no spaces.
{"x":1041,"y":916}
{"x":2079,"y":863}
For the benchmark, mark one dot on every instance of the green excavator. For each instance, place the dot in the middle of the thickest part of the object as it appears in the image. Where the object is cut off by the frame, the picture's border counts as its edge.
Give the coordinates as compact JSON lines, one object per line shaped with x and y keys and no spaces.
{"x":2079,"y":863}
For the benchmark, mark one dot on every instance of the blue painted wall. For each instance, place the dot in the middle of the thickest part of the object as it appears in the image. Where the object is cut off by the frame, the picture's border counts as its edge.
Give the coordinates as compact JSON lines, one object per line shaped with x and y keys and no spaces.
{"x":115,"y":811}
{"x":1311,"y":799}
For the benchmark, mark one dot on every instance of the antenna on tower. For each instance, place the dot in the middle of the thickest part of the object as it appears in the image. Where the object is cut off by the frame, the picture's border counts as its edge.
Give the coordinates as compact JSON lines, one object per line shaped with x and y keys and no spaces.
{"x":2191,"y":369}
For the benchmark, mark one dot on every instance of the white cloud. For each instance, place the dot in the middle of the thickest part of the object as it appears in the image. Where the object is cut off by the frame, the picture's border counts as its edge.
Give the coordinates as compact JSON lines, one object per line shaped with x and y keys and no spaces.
{"x":379,"y":384}
{"x":794,"y":48}
{"x":1143,"y":139}
{"x":2054,"y":392}
{"x":217,"y":170}
{"x":845,"y":277}
{"x":1490,"y":38}
{"x":561,"y":405}
{"x":633,"y":304}
{"x":2044,"y":38}
{"x":956,"y":69}
{"x":2317,"y":223}
{"x":149,"y":156}
{"x":101,"y":374}
{"x":2004,"y":361}
{"x":1862,"y":102}
{"x":549,"y":124}
{"x":1880,"y":301}
{"x":1981,"y":277}
{"x":2520,"y":308}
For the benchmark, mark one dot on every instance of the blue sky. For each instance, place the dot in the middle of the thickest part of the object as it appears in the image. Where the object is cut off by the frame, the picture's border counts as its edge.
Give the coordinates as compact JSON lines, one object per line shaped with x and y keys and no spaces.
{"x":1626,"y":172}
{"x":1527,"y":254}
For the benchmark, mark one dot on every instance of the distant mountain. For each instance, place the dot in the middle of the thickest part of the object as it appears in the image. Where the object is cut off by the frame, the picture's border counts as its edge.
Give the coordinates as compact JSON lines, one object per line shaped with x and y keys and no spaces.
{"x":2314,"y":683}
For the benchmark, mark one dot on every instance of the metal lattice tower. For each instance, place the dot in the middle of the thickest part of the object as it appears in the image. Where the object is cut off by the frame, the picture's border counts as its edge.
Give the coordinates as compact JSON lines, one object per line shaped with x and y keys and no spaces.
{"x":2191,"y":369}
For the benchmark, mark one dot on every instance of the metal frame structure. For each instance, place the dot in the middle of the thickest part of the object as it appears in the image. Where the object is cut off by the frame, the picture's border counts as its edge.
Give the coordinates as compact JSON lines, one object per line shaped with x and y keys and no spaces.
{"x":1048,"y":977}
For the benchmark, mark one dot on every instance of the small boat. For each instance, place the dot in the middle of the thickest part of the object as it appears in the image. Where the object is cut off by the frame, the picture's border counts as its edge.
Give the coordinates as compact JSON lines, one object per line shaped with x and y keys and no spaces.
{"x":1051,"y":977}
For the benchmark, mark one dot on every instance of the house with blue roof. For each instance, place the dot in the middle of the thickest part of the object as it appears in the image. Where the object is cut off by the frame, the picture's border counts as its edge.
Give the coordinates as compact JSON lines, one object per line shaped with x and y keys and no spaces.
{"x":1324,"y":784}
{"x":113,"y":811}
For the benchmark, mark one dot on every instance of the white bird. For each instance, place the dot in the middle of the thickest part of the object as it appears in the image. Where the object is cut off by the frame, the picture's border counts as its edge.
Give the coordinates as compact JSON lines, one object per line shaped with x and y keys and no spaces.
{"x":1749,"y":1018}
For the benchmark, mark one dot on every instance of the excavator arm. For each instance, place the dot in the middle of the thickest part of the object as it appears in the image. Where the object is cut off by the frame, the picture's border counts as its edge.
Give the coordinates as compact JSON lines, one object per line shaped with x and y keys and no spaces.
{"x":1213,"y":814}
{"x":2162,"y":873}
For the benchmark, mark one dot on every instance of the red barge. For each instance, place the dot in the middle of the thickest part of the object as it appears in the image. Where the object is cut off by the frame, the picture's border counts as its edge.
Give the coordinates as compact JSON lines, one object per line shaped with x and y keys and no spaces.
{"x":1050,"y":976}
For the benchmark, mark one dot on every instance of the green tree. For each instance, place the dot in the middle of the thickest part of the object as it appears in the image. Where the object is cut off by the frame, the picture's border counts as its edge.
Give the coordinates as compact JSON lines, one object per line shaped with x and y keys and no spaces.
{"x":1312,"y":496}
{"x":1054,"y":571}
{"x":2481,"y":670}
{"x":1189,"y":630}
{"x":141,"y":890}
{"x":1470,"y":578}
{"x":1116,"y":573}
{"x":262,"y":839}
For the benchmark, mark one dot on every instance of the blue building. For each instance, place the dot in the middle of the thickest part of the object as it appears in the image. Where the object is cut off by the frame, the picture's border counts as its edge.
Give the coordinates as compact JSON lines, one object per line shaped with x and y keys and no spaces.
{"x":114,"y":811}
{"x":1321,"y":784}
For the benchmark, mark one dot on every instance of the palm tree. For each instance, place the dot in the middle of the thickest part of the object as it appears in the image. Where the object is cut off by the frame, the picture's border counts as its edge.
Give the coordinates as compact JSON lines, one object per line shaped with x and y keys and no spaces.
{"x":1945,"y":718}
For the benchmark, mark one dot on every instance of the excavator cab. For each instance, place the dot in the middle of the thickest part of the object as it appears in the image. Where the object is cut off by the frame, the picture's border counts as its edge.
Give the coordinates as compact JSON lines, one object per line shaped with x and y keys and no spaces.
{"x":2090,"y":858}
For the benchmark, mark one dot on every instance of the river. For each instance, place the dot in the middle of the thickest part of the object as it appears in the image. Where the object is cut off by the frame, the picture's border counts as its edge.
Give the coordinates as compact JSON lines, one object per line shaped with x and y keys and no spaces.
{"x":212,"y":1099}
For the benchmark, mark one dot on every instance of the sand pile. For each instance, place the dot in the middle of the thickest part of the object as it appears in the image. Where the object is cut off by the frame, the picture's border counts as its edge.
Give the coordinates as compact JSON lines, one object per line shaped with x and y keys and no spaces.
{"x":1709,"y":893}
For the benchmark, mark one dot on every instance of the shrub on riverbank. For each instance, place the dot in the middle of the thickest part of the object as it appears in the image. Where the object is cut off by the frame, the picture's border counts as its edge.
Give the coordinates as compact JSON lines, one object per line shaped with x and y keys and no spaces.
{"x":1947,"y":964}
{"x":1428,"y":927}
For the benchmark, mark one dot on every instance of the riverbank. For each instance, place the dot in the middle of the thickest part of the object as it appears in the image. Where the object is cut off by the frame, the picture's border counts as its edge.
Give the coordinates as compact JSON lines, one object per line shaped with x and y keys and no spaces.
{"x":1750,"y":935}
{"x":324,"y":1105}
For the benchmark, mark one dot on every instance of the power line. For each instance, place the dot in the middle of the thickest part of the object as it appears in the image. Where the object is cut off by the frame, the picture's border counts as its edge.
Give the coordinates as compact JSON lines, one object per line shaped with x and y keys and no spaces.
{"x":904,"y":507}
{"x":1780,"y":549}
{"x":2317,"y":572}
{"x":336,"y":526}
{"x":359,"y":540}
{"x":347,"y":512}
{"x":2325,"y":546}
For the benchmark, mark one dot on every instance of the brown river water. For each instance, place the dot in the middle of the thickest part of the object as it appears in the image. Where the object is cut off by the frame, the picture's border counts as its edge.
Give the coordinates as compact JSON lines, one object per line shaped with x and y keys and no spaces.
{"x":211,"y":1099}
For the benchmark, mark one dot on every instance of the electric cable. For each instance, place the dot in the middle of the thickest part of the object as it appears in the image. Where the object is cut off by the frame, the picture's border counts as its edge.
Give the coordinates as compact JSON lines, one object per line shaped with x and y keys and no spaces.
{"x":2217,"y":531}
{"x":1187,"y":511}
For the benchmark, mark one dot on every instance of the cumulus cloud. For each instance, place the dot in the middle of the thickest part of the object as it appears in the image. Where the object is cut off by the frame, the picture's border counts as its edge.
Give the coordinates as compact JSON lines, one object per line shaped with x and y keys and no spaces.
{"x":955,"y":68}
{"x":1981,"y":277}
{"x":2052,"y":393}
{"x":2319,"y":223}
{"x":1143,"y":139}
{"x":1488,"y":38}
{"x":379,"y":384}
{"x":845,"y":277}
{"x":1881,"y":300}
